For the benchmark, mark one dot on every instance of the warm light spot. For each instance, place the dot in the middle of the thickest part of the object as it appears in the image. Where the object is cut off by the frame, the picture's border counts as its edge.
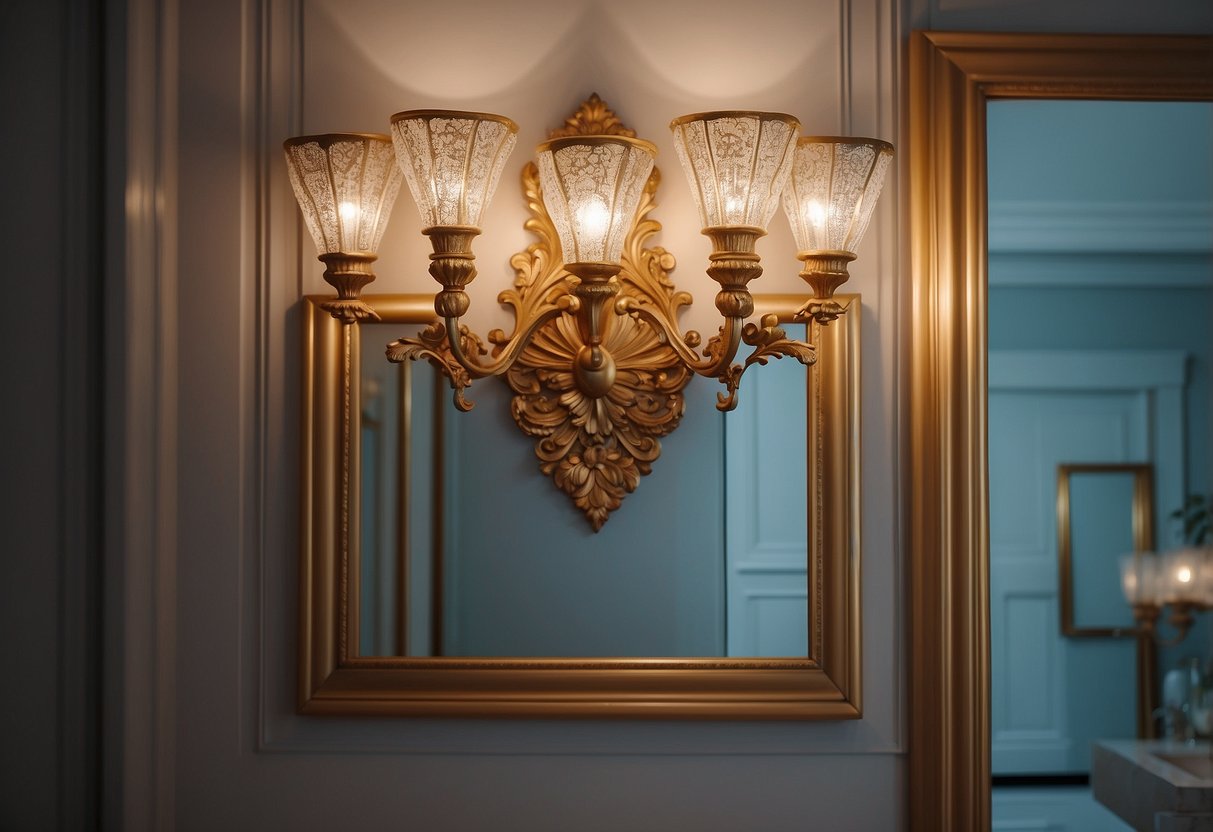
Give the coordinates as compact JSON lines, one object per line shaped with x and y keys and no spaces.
{"x":593,"y":219}
{"x":350,"y":213}
{"x":816,"y":213}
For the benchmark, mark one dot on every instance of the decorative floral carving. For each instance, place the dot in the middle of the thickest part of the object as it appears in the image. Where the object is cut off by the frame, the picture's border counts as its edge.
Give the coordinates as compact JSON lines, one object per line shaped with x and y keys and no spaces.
{"x":431,"y":345}
{"x":593,"y":118}
{"x":595,"y":449}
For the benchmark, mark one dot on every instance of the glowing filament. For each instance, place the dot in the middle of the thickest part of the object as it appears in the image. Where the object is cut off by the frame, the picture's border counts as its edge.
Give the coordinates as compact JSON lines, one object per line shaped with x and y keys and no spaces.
{"x":593,"y":219}
{"x":817,"y":214}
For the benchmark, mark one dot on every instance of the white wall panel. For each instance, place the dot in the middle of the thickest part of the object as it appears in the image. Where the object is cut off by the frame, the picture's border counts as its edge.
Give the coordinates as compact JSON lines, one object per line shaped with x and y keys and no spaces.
{"x":243,"y":756}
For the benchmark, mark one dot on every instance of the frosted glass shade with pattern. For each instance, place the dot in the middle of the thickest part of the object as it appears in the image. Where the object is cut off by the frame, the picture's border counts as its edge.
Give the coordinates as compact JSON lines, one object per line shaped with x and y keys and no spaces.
{"x":345,"y":184}
{"x":736,"y":164}
{"x":452,"y":161}
{"x":591,"y":188}
{"x":1185,"y":576}
{"x":833,"y":190}
{"x":1139,"y":579}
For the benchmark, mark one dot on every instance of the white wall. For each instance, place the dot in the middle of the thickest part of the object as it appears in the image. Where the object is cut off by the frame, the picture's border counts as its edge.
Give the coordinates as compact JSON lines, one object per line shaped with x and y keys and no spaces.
{"x":241,"y":754}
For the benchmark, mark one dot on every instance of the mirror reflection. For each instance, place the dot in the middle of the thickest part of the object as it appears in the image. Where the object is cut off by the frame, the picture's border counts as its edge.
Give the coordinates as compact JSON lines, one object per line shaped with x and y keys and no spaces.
{"x":1100,"y":275}
{"x":469,"y":551}
{"x":1100,"y":515}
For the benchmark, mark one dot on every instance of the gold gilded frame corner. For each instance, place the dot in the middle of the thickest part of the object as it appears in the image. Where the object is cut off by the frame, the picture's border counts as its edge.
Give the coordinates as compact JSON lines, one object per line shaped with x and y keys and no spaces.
{"x":334,"y":679}
{"x":952,"y":77}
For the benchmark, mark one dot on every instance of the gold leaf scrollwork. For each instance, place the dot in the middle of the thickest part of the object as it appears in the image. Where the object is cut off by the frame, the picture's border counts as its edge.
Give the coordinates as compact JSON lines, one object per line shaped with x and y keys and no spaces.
{"x":431,"y":345}
{"x":593,"y":118}
{"x":595,"y":449}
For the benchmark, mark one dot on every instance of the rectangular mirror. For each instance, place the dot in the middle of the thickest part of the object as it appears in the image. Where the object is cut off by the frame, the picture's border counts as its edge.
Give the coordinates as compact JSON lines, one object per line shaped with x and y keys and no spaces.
{"x":420,"y":596}
{"x":1103,"y":512}
{"x":487,"y":588}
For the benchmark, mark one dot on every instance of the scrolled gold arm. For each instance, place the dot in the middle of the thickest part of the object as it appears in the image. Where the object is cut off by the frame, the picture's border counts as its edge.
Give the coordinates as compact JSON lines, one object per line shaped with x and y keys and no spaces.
{"x":508,"y":353}
{"x":718,"y":359}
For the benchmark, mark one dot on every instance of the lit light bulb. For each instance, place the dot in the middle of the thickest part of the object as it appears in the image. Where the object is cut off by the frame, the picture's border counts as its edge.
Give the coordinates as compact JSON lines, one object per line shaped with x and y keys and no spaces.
{"x":816,"y":212}
{"x":593,"y":219}
{"x":350,"y":213}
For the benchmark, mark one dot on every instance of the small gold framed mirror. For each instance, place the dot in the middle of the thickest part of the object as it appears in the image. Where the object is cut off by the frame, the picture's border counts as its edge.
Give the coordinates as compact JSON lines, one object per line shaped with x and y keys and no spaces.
{"x":1103,"y":511}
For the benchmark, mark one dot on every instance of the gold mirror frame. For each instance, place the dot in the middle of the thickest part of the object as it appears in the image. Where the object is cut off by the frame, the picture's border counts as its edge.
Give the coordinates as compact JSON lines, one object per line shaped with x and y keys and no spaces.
{"x":952,"y":77}
{"x":334,"y":679}
{"x":1142,"y":513}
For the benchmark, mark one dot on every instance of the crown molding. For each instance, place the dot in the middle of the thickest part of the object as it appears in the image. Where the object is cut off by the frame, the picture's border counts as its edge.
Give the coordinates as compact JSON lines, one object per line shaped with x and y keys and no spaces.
{"x":1156,"y":227}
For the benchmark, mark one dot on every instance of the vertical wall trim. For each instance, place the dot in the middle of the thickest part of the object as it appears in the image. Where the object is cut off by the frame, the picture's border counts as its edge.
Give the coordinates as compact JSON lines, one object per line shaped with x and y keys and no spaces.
{"x":271,"y":282}
{"x":846,"y":57}
{"x":81,"y":412}
{"x":140,"y":431}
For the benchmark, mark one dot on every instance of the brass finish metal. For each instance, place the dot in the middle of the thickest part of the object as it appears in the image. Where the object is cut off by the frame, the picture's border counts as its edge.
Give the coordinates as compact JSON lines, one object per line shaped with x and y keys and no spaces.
{"x":1143,"y":538}
{"x":406,"y":114}
{"x":824,"y":271}
{"x":600,"y":390}
{"x":952,"y":76}
{"x":335,"y":680}
{"x":597,"y":393}
{"x":593,"y":118}
{"x":348,"y":273}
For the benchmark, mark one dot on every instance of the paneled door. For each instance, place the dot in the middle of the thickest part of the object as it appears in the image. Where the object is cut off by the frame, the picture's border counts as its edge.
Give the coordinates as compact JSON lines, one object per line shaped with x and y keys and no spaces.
{"x":1053,"y":696}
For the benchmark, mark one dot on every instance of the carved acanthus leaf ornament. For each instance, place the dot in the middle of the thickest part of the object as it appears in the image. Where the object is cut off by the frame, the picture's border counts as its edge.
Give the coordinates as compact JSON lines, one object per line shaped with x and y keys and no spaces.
{"x":596,"y":449}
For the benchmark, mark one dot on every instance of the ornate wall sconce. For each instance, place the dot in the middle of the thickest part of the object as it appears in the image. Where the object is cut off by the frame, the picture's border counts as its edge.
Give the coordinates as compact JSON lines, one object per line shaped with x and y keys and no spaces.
{"x":596,"y":357}
{"x":1180,"y":581}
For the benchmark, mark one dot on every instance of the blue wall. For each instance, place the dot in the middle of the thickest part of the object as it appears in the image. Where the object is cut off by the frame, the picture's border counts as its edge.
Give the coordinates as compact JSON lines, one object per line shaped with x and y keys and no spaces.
{"x":1150,"y":155}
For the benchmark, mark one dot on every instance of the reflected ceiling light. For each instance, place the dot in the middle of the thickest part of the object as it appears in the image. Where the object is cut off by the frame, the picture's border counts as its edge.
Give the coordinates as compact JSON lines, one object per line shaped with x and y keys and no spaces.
{"x":590,"y":282}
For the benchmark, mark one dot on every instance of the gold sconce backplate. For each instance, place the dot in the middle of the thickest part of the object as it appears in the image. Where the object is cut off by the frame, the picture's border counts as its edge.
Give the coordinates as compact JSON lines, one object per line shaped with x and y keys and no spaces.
{"x":597,"y":433}
{"x":595,"y":448}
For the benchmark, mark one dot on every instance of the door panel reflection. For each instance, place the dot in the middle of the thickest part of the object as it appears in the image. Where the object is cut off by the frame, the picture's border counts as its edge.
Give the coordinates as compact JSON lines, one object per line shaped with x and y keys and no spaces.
{"x":467,"y":550}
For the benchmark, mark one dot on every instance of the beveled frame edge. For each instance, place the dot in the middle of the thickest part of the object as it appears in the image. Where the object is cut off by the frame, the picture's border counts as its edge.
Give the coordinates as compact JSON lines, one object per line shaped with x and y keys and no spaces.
{"x":334,"y":680}
{"x":952,"y":75}
{"x":1143,"y":536}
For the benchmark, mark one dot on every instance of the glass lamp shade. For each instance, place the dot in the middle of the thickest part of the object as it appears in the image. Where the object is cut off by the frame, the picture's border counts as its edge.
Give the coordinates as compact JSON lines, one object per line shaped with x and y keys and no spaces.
{"x":345,"y":184}
{"x":1184,"y":576}
{"x":452,"y":161}
{"x":833,"y":190}
{"x":737,"y":163}
{"x":1139,"y":576}
{"x":591,"y":188}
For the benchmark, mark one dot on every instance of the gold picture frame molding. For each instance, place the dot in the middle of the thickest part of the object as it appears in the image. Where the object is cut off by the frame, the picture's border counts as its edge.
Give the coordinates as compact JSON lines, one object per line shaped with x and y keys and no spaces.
{"x":952,"y":77}
{"x":334,"y":679}
{"x":1142,"y":511}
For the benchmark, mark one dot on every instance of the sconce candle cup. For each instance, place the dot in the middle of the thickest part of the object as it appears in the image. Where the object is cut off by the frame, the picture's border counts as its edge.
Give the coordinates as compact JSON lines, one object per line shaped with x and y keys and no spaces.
{"x":345,"y":184}
{"x":590,"y":195}
{"x":829,"y":202}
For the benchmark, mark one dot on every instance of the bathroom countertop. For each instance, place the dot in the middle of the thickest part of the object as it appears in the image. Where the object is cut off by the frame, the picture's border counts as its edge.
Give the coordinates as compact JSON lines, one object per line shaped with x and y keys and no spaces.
{"x":1155,"y":785}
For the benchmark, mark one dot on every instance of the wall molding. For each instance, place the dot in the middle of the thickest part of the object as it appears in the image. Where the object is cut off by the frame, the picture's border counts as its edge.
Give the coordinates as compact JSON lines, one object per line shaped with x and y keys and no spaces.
{"x":1171,"y":227}
{"x":138,"y":791}
{"x":1071,"y":270}
{"x":1159,"y":377}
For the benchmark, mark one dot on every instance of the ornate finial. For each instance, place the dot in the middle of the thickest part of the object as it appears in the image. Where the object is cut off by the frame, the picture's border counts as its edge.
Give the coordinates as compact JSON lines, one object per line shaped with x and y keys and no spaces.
{"x":593,"y":118}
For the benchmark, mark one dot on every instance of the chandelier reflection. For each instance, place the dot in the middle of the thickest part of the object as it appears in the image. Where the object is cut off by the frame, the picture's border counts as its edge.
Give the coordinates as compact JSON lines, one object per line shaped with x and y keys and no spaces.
{"x":596,"y":359}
